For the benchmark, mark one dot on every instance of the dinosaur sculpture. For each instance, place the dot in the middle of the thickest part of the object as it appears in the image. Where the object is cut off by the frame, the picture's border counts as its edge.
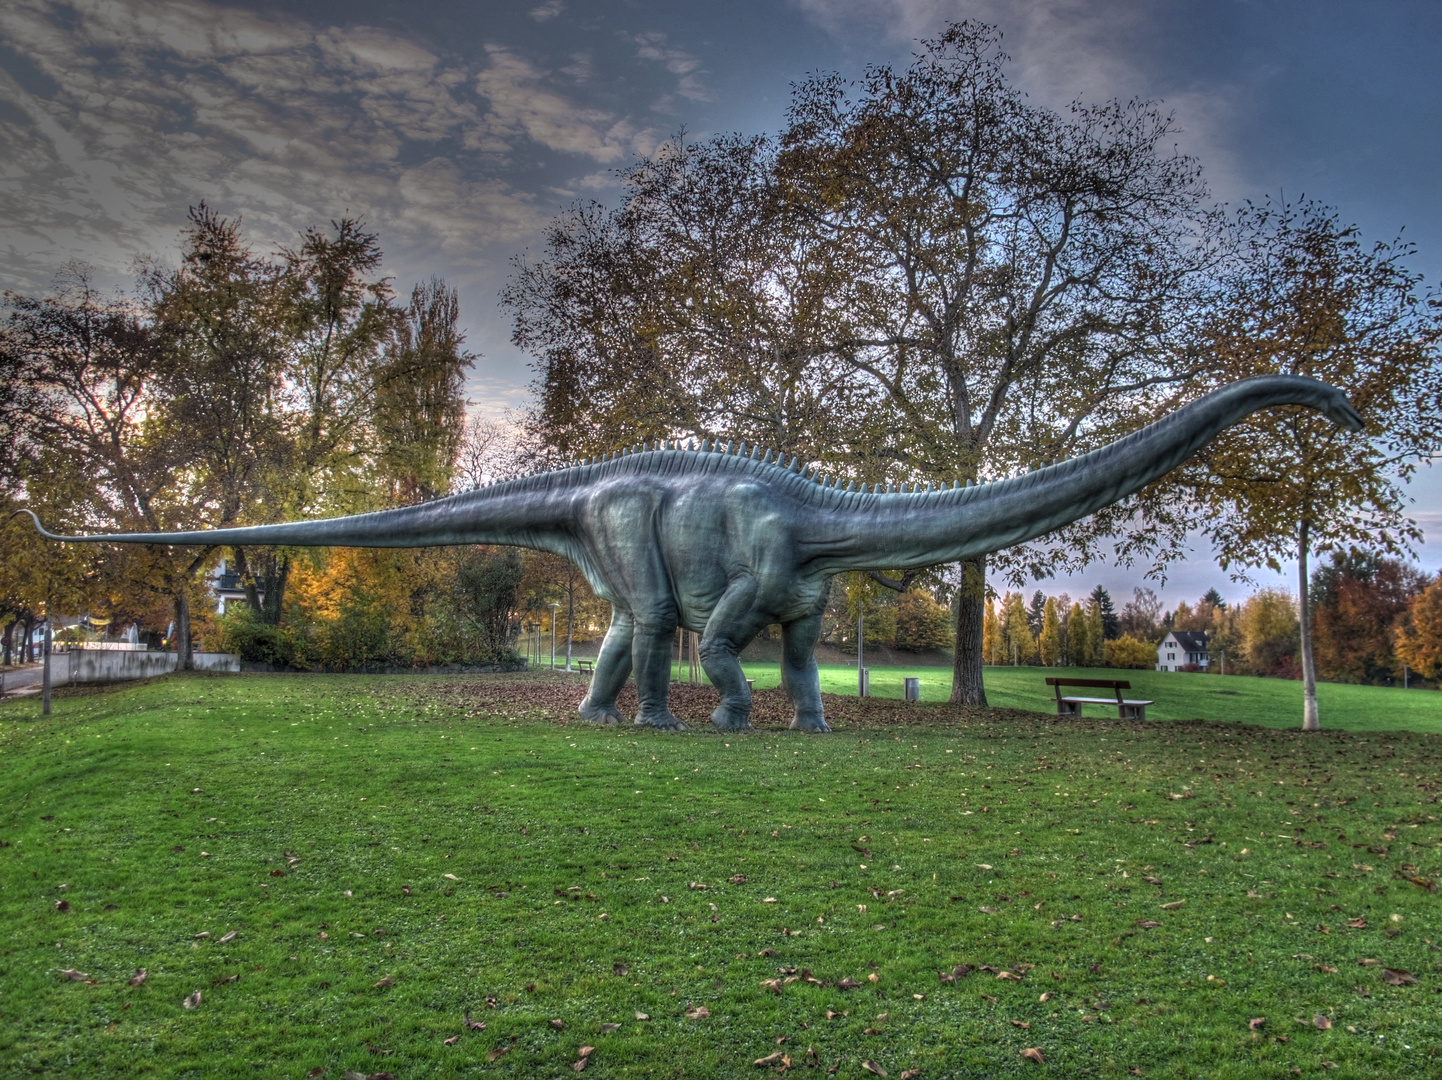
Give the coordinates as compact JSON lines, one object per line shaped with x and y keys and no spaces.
{"x":728,"y":541}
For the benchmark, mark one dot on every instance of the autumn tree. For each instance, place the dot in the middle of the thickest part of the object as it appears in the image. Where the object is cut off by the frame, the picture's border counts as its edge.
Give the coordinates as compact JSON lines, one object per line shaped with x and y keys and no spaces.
{"x":1357,"y":601}
{"x":1419,"y":635}
{"x":1305,"y":295}
{"x":87,"y":375}
{"x":924,"y":278}
{"x":1049,"y":640}
{"x":1078,"y":637}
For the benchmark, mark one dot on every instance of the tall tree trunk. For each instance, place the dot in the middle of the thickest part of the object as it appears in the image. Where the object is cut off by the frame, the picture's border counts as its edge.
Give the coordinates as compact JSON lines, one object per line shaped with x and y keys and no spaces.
{"x":278,"y":574}
{"x":184,"y":659}
{"x":966,"y":684}
{"x":1310,"y":720}
{"x":570,"y":612}
{"x":28,"y":652}
{"x":247,"y":582}
{"x":6,"y":640}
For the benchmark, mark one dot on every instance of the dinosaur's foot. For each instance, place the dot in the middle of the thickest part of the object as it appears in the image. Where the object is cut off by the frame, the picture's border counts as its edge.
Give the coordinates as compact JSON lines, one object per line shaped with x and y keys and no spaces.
{"x":730,"y":718}
{"x":812,"y":722}
{"x":661,"y":721}
{"x":600,"y":714}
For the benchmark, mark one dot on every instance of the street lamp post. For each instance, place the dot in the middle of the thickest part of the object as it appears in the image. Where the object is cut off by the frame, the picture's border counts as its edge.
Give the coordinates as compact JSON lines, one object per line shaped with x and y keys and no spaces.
{"x":554,"y":608}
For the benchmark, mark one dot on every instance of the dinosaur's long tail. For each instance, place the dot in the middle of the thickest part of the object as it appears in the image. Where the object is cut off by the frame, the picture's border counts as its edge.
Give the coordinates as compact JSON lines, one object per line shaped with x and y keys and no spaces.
{"x":519,"y":512}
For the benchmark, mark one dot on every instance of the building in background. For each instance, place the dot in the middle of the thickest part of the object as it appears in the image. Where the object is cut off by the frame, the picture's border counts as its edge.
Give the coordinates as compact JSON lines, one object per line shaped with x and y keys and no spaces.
{"x":1182,"y":649}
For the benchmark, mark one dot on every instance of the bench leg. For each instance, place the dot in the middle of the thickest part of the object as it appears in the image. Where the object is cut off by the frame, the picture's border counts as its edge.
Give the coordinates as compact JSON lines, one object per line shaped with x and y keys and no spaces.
{"x":1068,"y":708}
{"x":1132,"y":712}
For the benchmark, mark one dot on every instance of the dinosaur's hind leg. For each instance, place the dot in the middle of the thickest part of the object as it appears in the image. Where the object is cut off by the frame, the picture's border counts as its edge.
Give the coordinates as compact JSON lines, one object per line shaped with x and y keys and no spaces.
{"x":732,"y":625}
{"x":612,"y":666}
{"x":803,"y":682}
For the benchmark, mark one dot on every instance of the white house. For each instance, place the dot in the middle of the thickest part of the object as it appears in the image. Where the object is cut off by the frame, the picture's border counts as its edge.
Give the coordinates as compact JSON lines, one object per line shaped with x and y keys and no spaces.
{"x":1182,"y":647}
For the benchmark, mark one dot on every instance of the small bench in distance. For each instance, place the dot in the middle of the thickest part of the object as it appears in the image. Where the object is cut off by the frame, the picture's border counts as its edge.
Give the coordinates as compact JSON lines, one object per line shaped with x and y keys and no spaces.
{"x":586,"y":666}
{"x":1071,"y":706}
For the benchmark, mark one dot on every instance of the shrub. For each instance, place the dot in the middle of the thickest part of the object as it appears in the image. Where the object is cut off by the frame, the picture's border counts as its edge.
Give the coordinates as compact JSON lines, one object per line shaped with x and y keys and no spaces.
{"x":1129,"y":652}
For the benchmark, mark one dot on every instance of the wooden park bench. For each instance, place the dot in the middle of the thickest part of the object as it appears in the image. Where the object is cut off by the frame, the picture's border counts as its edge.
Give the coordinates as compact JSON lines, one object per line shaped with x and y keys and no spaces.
{"x":586,"y":666}
{"x":1071,"y":706}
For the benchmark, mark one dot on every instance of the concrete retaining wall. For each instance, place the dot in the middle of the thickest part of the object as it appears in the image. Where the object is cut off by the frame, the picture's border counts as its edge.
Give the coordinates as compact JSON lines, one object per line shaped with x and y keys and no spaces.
{"x":86,"y":665}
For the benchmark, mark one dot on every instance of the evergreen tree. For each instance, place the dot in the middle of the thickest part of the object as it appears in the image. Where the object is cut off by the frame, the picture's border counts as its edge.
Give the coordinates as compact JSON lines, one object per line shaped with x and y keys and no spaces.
{"x":1096,"y":635}
{"x":1214,"y":599}
{"x":1034,"y":612}
{"x":1102,"y":600}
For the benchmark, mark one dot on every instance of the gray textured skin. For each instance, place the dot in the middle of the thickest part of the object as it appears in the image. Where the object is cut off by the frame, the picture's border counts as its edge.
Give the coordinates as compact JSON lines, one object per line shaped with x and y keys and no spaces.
{"x":726,"y":542}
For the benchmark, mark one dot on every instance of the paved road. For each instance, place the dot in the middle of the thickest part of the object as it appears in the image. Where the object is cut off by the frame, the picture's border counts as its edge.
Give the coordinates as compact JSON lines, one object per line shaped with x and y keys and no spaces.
{"x":28,"y":678}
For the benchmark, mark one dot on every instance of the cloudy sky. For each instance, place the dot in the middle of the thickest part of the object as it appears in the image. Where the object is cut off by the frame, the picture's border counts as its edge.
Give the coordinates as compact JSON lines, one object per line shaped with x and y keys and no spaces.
{"x":456,"y":128}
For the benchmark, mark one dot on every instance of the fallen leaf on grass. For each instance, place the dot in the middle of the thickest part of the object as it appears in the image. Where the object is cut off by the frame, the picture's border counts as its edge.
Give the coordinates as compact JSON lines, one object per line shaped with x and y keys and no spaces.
{"x":700,"y":1012}
{"x":848,"y":983}
{"x":1173,"y":905}
{"x":498,"y":1052}
{"x":738,"y":879}
{"x":910,"y":1074}
{"x":774,"y":985}
{"x":559,"y":1025}
{"x":1152,"y":880}
{"x":1396,"y":977}
{"x":1325,"y":969}
{"x":1321,"y":1022}
{"x":405,"y":890}
{"x":620,"y":968}
{"x":769,"y":1059}
{"x":1367,"y":962}
{"x":226,"y":982}
{"x":451,"y":1041}
{"x":643,"y":1016}
{"x":316,"y":1073}
{"x":73,"y":974}
{"x":379,"y":983}
{"x":62,"y":906}
{"x":473,"y":1025}
{"x":323,"y":936}
{"x":607,"y":1029}
{"x":769,"y":900}
{"x":580,"y":1066}
{"x":139,"y":977}
{"x":1032,"y":1053}
{"x":450,"y":877}
{"x":1257,"y":1023}
{"x":585,"y":1051}
{"x":1148,"y":924}
{"x":228,"y":937}
{"x":1046,"y":997}
{"x":1023,"y":1024}
{"x":1357,"y":924}
{"x":872,"y":1067}
{"x":985,"y":910}
{"x":1008,"y":975}
{"x":193,"y":1000}
{"x":873,"y":977}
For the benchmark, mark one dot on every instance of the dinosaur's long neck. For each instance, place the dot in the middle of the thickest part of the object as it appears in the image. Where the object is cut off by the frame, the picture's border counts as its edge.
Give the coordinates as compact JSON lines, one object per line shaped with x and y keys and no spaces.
{"x":914,"y":530}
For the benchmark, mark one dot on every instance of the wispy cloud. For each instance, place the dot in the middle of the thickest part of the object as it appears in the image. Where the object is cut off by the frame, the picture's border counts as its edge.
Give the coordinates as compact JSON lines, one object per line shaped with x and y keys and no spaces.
{"x":127,"y":112}
{"x":654,"y":47}
{"x":1065,"y":50}
{"x":547,"y":11}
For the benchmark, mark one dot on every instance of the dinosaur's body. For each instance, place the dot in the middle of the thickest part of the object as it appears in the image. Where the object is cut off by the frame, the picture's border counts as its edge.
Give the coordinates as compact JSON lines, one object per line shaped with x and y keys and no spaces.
{"x":726,"y":542}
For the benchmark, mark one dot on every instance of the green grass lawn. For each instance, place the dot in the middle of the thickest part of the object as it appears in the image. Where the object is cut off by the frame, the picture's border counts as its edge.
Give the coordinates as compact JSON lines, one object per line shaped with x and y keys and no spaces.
{"x":1178,"y":695}
{"x":393,"y":852}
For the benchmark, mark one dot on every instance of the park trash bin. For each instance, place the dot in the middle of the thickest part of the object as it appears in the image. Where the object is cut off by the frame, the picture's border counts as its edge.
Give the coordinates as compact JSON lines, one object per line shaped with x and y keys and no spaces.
{"x":913,"y":689}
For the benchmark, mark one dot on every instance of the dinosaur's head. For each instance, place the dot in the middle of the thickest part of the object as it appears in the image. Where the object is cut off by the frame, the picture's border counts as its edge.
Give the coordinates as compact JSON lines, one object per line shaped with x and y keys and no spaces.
{"x":1340,"y":411}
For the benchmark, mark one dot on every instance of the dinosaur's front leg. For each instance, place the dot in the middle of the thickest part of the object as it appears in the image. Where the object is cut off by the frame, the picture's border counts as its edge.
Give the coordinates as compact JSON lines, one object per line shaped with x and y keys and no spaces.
{"x":651,"y":654}
{"x":803,"y":682}
{"x":733,"y":623}
{"x":612,"y":666}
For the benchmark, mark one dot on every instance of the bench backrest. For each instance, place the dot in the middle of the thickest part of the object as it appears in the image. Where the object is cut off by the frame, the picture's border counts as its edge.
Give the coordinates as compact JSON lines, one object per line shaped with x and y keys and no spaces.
{"x":1116,"y":686}
{"x":1110,"y":684}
